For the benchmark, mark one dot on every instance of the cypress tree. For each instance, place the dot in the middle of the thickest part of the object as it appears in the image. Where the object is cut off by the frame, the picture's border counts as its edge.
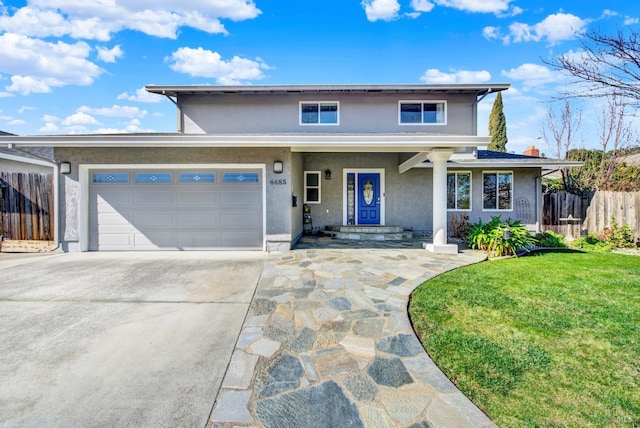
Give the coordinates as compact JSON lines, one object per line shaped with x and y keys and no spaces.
{"x":498,"y":126}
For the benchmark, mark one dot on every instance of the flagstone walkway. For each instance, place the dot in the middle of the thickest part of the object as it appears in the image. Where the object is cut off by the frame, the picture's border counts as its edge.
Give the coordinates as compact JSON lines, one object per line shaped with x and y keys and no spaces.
{"x":328,"y":343}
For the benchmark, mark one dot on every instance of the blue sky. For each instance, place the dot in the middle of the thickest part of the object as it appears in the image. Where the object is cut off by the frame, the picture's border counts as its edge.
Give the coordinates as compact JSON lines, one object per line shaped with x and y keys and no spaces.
{"x":80,"y":66}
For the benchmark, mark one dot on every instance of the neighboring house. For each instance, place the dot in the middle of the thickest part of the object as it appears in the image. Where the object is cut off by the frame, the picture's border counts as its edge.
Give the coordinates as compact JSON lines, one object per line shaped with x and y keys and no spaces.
{"x":246,"y":159}
{"x":33,"y":159}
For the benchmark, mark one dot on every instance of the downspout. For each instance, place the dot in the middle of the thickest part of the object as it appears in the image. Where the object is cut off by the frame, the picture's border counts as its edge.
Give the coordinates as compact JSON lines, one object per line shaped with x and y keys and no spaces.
{"x":180,"y":113}
{"x":56,"y":192}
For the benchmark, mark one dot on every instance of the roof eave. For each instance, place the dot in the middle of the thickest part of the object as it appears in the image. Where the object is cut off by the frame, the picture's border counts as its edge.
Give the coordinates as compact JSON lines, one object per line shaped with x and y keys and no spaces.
{"x":499,"y":163}
{"x":297,"y":142}
{"x":174,"y":90}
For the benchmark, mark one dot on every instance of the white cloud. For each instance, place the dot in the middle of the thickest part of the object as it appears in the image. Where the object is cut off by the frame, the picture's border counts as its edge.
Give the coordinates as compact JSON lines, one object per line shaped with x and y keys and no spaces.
{"x":141,"y":96}
{"x":98,"y":20}
{"x":22,"y":109}
{"x":17,"y":122}
{"x":109,"y":55}
{"x":38,"y":66}
{"x":628,"y":20}
{"x":491,"y":32}
{"x":385,"y":10}
{"x":5,"y":94}
{"x":77,"y":129}
{"x":130,"y":127}
{"x":554,"y":28}
{"x":26,"y":85}
{"x":533,"y":75}
{"x":204,"y":63}
{"x":114,"y":111}
{"x":50,"y":118}
{"x":80,"y":118}
{"x":482,"y":6}
{"x":422,"y":5}
{"x":436,"y":76}
{"x":49,"y":127}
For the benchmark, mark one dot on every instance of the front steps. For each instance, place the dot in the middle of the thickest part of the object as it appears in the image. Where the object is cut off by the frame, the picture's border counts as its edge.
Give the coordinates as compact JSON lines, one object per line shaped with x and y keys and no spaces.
{"x":368,"y":233}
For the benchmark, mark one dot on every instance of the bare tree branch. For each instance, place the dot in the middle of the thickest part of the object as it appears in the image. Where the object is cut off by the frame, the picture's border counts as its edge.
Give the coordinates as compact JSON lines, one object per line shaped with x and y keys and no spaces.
{"x":606,"y":64}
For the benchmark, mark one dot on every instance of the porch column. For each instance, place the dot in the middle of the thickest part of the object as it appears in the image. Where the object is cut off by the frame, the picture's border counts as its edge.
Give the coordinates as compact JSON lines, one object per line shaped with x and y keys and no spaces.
{"x":439,"y":158}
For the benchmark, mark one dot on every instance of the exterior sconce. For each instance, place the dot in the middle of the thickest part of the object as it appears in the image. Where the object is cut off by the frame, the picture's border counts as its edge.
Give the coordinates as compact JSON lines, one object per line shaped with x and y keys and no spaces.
{"x":65,"y":168}
{"x":327,"y":174}
{"x":506,"y":234}
{"x":278,"y":167}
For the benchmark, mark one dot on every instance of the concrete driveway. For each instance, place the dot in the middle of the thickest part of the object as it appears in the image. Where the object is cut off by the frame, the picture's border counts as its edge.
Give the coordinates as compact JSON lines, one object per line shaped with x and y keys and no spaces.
{"x":115,"y":339}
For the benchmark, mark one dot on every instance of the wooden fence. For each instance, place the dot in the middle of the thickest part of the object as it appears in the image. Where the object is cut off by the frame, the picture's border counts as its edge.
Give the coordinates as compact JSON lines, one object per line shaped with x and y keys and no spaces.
{"x":26,"y":206}
{"x":623,"y":207}
{"x":594,"y":211}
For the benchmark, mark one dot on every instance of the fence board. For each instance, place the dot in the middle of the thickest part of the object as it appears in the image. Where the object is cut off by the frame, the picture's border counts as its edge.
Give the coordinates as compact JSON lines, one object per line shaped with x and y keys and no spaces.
{"x":26,"y":206}
{"x":595,"y":212}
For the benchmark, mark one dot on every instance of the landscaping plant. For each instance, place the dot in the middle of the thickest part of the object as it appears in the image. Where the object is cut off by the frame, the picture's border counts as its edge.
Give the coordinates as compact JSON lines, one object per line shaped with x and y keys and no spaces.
{"x":615,"y":236}
{"x":500,"y":238}
{"x":549,"y":239}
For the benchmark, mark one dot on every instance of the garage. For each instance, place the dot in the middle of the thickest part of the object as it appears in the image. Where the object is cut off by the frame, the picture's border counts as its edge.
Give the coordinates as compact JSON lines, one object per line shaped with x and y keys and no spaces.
{"x":175,"y":209}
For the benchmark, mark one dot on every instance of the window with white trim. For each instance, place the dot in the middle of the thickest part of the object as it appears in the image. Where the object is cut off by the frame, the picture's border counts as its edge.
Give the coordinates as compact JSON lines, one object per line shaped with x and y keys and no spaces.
{"x":422,"y":112}
{"x":319,"y":113}
{"x":459,"y":191}
{"x":497,"y":191}
{"x":312,"y":187}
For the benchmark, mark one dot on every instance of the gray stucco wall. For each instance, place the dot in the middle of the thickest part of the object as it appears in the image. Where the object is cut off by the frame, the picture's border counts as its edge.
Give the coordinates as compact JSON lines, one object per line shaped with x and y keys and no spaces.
{"x":278,"y":196}
{"x":279,"y":113}
{"x":408,"y":196}
{"x":403,"y":207}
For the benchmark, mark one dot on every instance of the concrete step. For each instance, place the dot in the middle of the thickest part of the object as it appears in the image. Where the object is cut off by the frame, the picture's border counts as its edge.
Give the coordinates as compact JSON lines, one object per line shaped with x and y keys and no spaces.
{"x":368,"y":233}
{"x":374,"y":236}
{"x":366,"y":229}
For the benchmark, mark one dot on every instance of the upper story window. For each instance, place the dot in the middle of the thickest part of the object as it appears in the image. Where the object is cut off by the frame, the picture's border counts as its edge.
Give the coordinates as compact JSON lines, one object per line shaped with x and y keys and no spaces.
{"x":422,"y":112}
{"x":319,"y":113}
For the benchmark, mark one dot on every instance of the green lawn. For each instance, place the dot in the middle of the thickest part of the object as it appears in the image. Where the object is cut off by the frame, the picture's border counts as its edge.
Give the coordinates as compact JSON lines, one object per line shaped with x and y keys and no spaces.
{"x":547,"y":340}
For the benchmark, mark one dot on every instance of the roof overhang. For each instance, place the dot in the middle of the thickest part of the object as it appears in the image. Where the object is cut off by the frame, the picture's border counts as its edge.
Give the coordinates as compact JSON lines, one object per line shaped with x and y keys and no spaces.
{"x":173,"y":91}
{"x":27,"y":160}
{"x":547,"y":164}
{"x":296,"y":142}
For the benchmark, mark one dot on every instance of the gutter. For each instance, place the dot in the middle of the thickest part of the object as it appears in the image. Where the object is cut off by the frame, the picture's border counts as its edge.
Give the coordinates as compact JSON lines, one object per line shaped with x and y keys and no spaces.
{"x":39,"y":160}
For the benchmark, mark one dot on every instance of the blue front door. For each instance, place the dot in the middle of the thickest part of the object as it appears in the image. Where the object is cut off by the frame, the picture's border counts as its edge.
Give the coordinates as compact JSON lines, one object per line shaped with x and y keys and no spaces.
{"x":369,"y":198}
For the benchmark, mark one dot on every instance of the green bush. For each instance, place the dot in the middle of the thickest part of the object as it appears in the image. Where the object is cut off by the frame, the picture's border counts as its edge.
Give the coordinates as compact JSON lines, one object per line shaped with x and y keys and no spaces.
{"x":592,"y":242}
{"x":614,"y":237}
{"x":490,"y":237}
{"x":549,"y":239}
{"x":620,"y":236}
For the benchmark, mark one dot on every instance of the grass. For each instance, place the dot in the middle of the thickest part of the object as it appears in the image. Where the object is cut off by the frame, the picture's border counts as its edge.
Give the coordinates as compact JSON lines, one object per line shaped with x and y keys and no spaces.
{"x":547,"y":340}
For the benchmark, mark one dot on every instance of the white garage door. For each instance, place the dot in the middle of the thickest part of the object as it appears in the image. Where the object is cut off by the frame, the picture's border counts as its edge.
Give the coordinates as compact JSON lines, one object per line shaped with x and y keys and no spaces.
{"x":175,"y":209}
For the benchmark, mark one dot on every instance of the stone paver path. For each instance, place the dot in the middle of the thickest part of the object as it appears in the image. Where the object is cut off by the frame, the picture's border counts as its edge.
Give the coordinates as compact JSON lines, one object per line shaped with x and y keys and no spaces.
{"x":328,"y":343}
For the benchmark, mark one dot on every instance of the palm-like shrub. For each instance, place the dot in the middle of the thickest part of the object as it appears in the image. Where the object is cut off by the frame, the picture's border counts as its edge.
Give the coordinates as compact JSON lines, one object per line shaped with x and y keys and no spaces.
{"x":500,"y":238}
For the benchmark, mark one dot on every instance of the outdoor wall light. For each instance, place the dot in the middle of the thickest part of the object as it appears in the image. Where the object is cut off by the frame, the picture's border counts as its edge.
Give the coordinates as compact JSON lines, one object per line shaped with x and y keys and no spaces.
{"x":327,"y":174}
{"x":506,"y":234}
{"x":65,"y":168}
{"x":278,"y":167}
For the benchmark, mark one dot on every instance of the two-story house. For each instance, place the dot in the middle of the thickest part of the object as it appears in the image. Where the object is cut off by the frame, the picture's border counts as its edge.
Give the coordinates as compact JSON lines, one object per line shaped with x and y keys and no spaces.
{"x":245,"y":160}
